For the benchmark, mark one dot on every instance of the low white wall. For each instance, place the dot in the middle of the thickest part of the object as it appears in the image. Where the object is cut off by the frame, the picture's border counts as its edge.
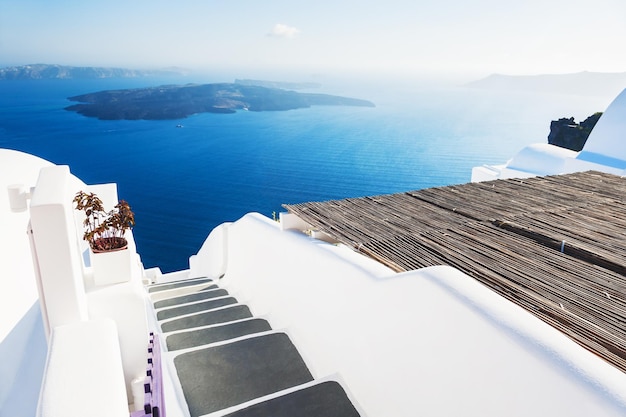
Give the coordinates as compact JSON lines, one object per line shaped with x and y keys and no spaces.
{"x":541,"y":159}
{"x":289,"y":221}
{"x":124,"y":304}
{"x":83,"y":373}
{"x":23,"y":353}
{"x":535,"y":159}
{"x":486,"y":173}
{"x":212,"y":257}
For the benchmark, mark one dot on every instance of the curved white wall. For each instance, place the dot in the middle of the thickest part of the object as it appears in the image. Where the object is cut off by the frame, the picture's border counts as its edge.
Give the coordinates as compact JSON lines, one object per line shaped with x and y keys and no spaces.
{"x":606,"y":143}
{"x":430,"y":342}
{"x":541,"y":159}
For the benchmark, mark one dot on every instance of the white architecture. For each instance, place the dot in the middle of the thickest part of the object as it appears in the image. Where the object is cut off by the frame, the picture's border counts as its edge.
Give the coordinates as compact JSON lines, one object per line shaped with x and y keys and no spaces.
{"x":605,"y":151}
{"x":429,"y":342}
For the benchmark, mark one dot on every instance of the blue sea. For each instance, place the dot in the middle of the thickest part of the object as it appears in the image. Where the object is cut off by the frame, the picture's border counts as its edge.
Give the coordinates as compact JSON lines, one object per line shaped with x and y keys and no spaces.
{"x":184,"y":181}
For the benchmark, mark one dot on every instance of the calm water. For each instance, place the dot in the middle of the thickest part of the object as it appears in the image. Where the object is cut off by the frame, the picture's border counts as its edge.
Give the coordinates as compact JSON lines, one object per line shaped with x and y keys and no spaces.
{"x":182,"y":182}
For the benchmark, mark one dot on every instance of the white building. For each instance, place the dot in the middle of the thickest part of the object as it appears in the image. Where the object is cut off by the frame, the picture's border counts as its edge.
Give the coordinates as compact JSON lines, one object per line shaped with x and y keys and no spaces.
{"x":604,"y":151}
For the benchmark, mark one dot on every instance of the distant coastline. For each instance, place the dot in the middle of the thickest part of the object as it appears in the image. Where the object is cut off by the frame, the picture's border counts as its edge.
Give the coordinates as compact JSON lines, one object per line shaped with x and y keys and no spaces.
{"x":177,"y":102}
{"x":51,"y":71}
{"x":581,"y":83}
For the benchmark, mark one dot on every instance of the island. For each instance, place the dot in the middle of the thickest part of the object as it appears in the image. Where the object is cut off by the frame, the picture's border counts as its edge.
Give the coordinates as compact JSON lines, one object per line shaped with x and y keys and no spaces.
{"x":171,"y":102}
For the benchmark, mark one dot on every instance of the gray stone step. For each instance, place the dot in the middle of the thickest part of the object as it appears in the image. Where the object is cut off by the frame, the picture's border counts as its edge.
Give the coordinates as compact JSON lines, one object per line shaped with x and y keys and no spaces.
{"x":225,"y":375}
{"x":190,"y":298}
{"x":222,"y":376}
{"x":219,"y":333}
{"x":222,"y":315}
{"x":178,"y":284}
{"x":327,"y":399}
{"x":177,"y":292}
{"x":195,"y":307}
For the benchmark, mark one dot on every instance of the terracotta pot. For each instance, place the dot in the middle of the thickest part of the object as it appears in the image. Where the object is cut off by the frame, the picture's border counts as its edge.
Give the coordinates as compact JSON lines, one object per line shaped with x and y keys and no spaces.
{"x":109,"y":244}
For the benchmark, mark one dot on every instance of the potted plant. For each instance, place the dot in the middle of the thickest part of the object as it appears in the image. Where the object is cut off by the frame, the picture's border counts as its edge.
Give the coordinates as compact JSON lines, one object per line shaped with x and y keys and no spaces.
{"x":104,"y":232}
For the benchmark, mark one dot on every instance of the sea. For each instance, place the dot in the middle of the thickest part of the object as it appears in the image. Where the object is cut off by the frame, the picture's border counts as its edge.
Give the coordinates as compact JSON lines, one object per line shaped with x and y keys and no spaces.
{"x":184,"y":177}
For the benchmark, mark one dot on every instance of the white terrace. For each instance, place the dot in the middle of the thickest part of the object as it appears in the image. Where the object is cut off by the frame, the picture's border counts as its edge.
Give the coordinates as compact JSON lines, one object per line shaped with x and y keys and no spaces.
{"x":267,"y":320}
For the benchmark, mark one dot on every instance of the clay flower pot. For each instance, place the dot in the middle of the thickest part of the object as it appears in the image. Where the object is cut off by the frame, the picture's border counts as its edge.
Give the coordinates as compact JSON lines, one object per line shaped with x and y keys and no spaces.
{"x":110,"y":257}
{"x":109,"y":244}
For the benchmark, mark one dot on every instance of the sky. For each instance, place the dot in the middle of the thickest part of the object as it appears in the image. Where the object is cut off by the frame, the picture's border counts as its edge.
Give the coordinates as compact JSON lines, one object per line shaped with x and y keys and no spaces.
{"x":521,"y":37}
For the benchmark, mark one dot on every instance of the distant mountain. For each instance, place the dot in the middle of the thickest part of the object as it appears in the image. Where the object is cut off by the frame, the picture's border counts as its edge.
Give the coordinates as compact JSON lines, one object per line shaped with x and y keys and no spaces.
{"x":47,"y":71}
{"x":581,"y":83}
{"x":177,"y":102}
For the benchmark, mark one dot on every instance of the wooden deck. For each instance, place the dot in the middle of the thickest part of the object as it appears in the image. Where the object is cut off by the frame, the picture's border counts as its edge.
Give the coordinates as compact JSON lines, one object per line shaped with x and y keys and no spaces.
{"x":554,"y":245}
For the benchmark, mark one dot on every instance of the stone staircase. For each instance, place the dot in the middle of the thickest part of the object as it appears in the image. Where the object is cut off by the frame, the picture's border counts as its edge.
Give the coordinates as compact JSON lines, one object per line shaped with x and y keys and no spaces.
{"x":230,"y":363}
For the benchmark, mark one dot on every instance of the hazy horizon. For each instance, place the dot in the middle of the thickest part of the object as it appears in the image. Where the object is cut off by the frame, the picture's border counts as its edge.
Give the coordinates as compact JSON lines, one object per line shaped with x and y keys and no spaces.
{"x":449,"y":38}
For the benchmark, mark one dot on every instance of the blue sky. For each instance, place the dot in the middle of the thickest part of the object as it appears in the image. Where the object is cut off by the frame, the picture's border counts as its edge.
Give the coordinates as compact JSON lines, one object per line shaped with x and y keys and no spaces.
{"x":395,"y":36}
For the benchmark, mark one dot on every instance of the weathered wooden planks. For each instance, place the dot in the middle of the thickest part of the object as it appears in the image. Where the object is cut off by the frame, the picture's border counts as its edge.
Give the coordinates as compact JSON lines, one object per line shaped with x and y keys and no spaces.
{"x":554,"y":245}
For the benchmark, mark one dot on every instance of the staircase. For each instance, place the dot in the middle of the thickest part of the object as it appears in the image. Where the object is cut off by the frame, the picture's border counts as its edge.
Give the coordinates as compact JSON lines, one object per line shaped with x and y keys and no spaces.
{"x":230,"y":363}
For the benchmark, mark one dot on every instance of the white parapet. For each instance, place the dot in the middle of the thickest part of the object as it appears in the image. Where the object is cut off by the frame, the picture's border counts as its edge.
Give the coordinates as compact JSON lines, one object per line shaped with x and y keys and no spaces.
{"x":289,"y":221}
{"x":57,"y":254}
{"x":212,"y":258}
{"x":486,"y":173}
{"x":124,"y":304}
{"x":83,"y":373}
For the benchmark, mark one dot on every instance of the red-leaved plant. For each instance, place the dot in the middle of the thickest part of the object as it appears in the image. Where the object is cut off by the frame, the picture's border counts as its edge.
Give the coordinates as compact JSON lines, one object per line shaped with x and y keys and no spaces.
{"x":104,"y":231}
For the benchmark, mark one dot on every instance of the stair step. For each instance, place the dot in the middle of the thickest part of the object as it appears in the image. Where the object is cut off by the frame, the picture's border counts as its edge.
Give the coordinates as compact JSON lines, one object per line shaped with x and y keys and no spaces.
{"x":264,"y":369}
{"x":178,"y":284}
{"x":177,"y":292}
{"x":195,"y":308}
{"x":217,"y":333}
{"x":213,"y":379}
{"x":327,"y":399}
{"x":190,"y":298}
{"x":222,"y":315}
